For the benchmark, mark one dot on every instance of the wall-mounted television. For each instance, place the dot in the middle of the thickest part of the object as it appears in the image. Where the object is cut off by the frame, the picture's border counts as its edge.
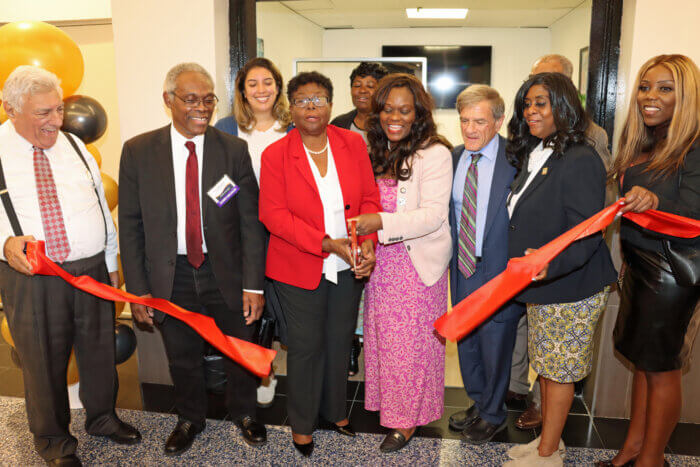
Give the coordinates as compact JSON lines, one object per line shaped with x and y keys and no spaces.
{"x":451,"y":68}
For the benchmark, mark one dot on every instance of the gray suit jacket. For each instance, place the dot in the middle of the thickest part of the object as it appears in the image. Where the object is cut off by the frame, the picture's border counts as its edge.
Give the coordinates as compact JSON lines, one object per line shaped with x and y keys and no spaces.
{"x":148,"y":216}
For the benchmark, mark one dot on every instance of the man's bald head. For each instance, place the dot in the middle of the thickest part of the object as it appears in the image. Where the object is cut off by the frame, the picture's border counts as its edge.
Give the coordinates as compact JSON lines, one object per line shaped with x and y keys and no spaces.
{"x":553,"y":63}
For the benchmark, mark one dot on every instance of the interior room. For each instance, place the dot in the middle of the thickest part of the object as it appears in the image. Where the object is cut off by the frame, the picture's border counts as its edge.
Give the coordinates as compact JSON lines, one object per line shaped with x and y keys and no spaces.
{"x":127,"y":47}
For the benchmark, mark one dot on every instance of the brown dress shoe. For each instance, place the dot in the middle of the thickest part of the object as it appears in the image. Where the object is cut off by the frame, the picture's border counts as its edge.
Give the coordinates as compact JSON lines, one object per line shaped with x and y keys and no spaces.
{"x":531,"y":418}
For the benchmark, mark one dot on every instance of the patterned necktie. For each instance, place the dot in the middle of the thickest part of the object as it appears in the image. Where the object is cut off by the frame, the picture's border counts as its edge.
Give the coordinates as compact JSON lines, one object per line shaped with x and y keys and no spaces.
{"x":466,"y":257}
{"x":57,"y":246}
{"x":193,"y":218}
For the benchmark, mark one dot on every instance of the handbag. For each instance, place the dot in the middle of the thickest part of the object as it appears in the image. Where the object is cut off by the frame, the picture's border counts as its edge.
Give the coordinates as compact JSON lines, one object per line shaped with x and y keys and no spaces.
{"x":684,"y":261}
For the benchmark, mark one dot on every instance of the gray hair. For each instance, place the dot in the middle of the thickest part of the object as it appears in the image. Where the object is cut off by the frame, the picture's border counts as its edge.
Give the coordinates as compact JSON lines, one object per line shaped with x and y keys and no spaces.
{"x":26,"y":80}
{"x":170,"y":85}
{"x":478,"y":93}
{"x":566,"y":66}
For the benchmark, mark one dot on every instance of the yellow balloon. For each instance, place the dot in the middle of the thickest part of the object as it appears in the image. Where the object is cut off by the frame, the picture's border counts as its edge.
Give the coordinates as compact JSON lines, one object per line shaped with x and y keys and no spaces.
{"x":111,"y":190}
{"x":5,"y":330}
{"x":95,"y":153}
{"x":43,"y":45}
{"x":72,"y":376}
{"x":118,"y":309}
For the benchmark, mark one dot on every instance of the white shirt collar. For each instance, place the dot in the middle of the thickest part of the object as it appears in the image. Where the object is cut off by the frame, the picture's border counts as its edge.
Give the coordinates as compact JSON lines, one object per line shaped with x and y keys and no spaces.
{"x":179,"y":139}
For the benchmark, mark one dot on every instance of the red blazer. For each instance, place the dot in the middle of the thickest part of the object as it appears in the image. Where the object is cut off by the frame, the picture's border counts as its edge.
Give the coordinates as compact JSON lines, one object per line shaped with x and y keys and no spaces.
{"x":290,"y":205}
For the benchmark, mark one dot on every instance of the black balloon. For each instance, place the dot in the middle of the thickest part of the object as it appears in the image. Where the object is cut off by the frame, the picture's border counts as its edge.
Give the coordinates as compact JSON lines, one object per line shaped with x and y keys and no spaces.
{"x":124,"y":342}
{"x":84,"y":117}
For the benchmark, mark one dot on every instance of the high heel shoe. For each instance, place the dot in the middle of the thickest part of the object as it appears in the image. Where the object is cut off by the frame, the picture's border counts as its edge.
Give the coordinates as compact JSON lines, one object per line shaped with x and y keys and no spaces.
{"x":609,"y":463}
{"x":346,"y":430}
{"x":305,"y":449}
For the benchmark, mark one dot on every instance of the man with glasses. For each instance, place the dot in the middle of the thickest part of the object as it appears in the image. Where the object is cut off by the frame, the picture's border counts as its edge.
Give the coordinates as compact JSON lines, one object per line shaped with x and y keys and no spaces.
{"x":189,"y":233}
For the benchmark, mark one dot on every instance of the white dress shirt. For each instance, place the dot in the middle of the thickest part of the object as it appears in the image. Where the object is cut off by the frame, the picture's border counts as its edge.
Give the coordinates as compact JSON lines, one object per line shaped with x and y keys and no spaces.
{"x":485,"y":167}
{"x":538,"y":157}
{"x":258,"y":141}
{"x":82,"y":216}
{"x":333,"y":213}
{"x":180,"y":155}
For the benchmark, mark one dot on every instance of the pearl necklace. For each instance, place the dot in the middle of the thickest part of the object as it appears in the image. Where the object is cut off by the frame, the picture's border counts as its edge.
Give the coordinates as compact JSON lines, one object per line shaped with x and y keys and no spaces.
{"x":316,"y":153}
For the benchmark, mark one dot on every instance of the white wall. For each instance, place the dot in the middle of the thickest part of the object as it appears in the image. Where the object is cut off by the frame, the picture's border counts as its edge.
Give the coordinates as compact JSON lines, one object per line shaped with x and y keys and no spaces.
{"x":649,"y":30}
{"x":571,"y":33}
{"x":53,"y":10}
{"x":287,"y":36}
{"x":514,"y":51}
{"x":152,"y":36}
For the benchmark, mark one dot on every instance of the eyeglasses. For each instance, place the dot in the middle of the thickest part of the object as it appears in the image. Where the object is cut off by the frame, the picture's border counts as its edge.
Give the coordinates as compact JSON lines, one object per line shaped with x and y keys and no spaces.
{"x":207,"y":101}
{"x":319,"y":101}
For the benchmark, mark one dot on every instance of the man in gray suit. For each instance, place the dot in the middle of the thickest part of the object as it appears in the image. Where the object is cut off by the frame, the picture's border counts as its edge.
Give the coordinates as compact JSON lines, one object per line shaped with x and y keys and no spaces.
{"x":189,"y":233}
{"x":519,"y":384}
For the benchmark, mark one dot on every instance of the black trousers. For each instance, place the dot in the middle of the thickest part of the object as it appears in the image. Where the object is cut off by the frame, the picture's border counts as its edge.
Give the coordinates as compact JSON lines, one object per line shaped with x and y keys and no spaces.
{"x":196,"y":290}
{"x":47,"y":318}
{"x":321,"y":325}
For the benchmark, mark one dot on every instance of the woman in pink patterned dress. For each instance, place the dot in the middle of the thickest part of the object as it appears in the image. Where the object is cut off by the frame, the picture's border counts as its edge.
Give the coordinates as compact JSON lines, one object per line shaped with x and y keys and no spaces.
{"x":404,"y":357}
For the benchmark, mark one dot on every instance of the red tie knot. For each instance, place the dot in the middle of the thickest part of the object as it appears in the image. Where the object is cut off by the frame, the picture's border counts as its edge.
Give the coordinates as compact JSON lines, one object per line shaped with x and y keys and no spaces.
{"x":190,"y":146}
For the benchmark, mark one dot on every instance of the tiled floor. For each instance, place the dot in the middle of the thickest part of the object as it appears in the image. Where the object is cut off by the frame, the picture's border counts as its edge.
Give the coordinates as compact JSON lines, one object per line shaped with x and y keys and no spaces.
{"x":581,"y":429}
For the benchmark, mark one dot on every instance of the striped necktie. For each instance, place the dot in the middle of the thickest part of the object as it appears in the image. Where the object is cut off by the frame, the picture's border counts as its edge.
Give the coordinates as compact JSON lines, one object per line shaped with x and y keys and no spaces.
{"x":466,"y":256}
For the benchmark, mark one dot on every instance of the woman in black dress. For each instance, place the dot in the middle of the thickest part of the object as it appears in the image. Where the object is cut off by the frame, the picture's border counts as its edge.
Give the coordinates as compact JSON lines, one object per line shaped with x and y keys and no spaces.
{"x":658,"y":167}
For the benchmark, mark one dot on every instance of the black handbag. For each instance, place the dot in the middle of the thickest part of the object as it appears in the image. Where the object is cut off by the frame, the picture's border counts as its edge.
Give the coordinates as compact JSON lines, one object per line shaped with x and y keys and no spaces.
{"x":684,"y":261}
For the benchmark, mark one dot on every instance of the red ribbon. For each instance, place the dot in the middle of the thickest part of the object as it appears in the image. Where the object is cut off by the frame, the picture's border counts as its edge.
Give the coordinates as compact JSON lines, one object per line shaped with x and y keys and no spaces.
{"x":468,"y":314}
{"x":254,"y":358}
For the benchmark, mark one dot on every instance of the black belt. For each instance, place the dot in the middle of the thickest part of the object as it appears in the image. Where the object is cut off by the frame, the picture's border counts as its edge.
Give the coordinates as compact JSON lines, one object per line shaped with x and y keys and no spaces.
{"x":478,"y":259}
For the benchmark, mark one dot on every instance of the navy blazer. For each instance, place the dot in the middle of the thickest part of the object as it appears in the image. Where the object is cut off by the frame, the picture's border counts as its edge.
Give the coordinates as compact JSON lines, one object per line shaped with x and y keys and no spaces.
{"x":568,"y":189}
{"x":494,"y":251}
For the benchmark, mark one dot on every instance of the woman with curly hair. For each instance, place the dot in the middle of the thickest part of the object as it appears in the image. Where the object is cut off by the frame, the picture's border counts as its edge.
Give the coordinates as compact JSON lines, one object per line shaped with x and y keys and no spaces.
{"x":657,"y":167}
{"x":404,"y":357}
{"x":560,"y":182}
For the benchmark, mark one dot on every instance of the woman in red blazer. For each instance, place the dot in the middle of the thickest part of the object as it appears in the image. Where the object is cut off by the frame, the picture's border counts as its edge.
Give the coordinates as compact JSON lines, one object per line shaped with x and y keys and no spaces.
{"x":311,"y":182}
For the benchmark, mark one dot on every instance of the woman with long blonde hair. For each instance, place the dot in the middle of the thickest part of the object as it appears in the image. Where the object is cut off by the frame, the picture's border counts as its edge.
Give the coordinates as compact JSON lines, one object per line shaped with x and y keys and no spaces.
{"x":657,"y":167}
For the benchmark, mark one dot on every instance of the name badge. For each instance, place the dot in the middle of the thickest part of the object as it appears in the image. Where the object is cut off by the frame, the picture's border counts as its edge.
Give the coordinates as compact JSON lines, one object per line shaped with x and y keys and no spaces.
{"x":223,"y":191}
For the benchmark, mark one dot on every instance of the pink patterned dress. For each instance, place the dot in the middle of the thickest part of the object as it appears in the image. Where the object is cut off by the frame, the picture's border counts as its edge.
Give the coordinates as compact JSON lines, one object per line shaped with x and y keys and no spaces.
{"x":404,"y":356}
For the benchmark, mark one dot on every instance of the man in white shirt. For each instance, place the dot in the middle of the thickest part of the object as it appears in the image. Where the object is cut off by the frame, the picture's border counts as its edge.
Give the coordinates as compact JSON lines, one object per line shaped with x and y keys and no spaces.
{"x":189,"y":233}
{"x":54,"y":193}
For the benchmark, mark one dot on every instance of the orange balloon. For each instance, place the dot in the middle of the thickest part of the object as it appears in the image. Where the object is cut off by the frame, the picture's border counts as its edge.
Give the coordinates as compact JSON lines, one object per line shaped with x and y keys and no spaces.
{"x":3,"y":115}
{"x":95,"y":153}
{"x":111,"y":190}
{"x":43,"y":45}
{"x":118,"y":309}
{"x":5,"y":330}
{"x":72,"y":376}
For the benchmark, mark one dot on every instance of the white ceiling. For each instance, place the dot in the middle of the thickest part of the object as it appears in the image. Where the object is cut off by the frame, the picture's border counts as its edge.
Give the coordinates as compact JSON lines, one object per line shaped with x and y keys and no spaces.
{"x":359,"y":14}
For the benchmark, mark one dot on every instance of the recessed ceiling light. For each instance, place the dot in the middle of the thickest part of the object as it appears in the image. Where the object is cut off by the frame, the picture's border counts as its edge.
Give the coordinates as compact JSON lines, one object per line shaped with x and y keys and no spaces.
{"x":437,"y":13}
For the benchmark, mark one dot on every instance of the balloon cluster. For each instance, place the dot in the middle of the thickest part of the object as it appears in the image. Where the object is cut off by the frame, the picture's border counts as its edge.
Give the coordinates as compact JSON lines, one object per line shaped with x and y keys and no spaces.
{"x":41,"y":44}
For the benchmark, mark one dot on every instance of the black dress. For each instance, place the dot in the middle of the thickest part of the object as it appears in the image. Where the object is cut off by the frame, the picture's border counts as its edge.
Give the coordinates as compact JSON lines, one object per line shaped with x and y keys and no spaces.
{"x":652,"y":329}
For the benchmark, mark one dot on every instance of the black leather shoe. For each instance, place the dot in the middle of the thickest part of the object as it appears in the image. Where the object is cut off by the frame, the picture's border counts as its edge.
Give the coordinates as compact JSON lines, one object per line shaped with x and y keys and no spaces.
{"x":304,"y":449}
{"x":355,"y":350}
{"x":395,"y":441}
{"x":70,"y":460}
{"x":253,"y":433}
{"x":481,"y":431}
{"x":460,"y":420}
{"x":346,"y":430}
{"x":181,"y":438}
{"x":125,"y":434}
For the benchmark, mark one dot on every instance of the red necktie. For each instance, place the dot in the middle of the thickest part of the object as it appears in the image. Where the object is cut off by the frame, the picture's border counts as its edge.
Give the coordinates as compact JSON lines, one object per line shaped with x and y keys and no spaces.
{"x":57,"y":246}
{"x":193,"y":218}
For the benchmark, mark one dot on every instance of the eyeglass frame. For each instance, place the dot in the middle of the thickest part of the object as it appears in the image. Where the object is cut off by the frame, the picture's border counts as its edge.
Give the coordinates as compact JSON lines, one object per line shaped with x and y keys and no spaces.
{"x":307,"y":100}
{"x":200,"y":100}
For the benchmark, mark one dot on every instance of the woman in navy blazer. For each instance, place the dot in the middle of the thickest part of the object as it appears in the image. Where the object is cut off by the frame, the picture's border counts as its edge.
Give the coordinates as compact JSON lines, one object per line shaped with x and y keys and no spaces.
{"x":560,"y":182}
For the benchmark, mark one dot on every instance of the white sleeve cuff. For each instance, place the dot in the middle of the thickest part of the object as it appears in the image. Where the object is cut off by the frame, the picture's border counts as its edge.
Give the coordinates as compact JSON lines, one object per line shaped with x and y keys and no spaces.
{"x":259,"y":292}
